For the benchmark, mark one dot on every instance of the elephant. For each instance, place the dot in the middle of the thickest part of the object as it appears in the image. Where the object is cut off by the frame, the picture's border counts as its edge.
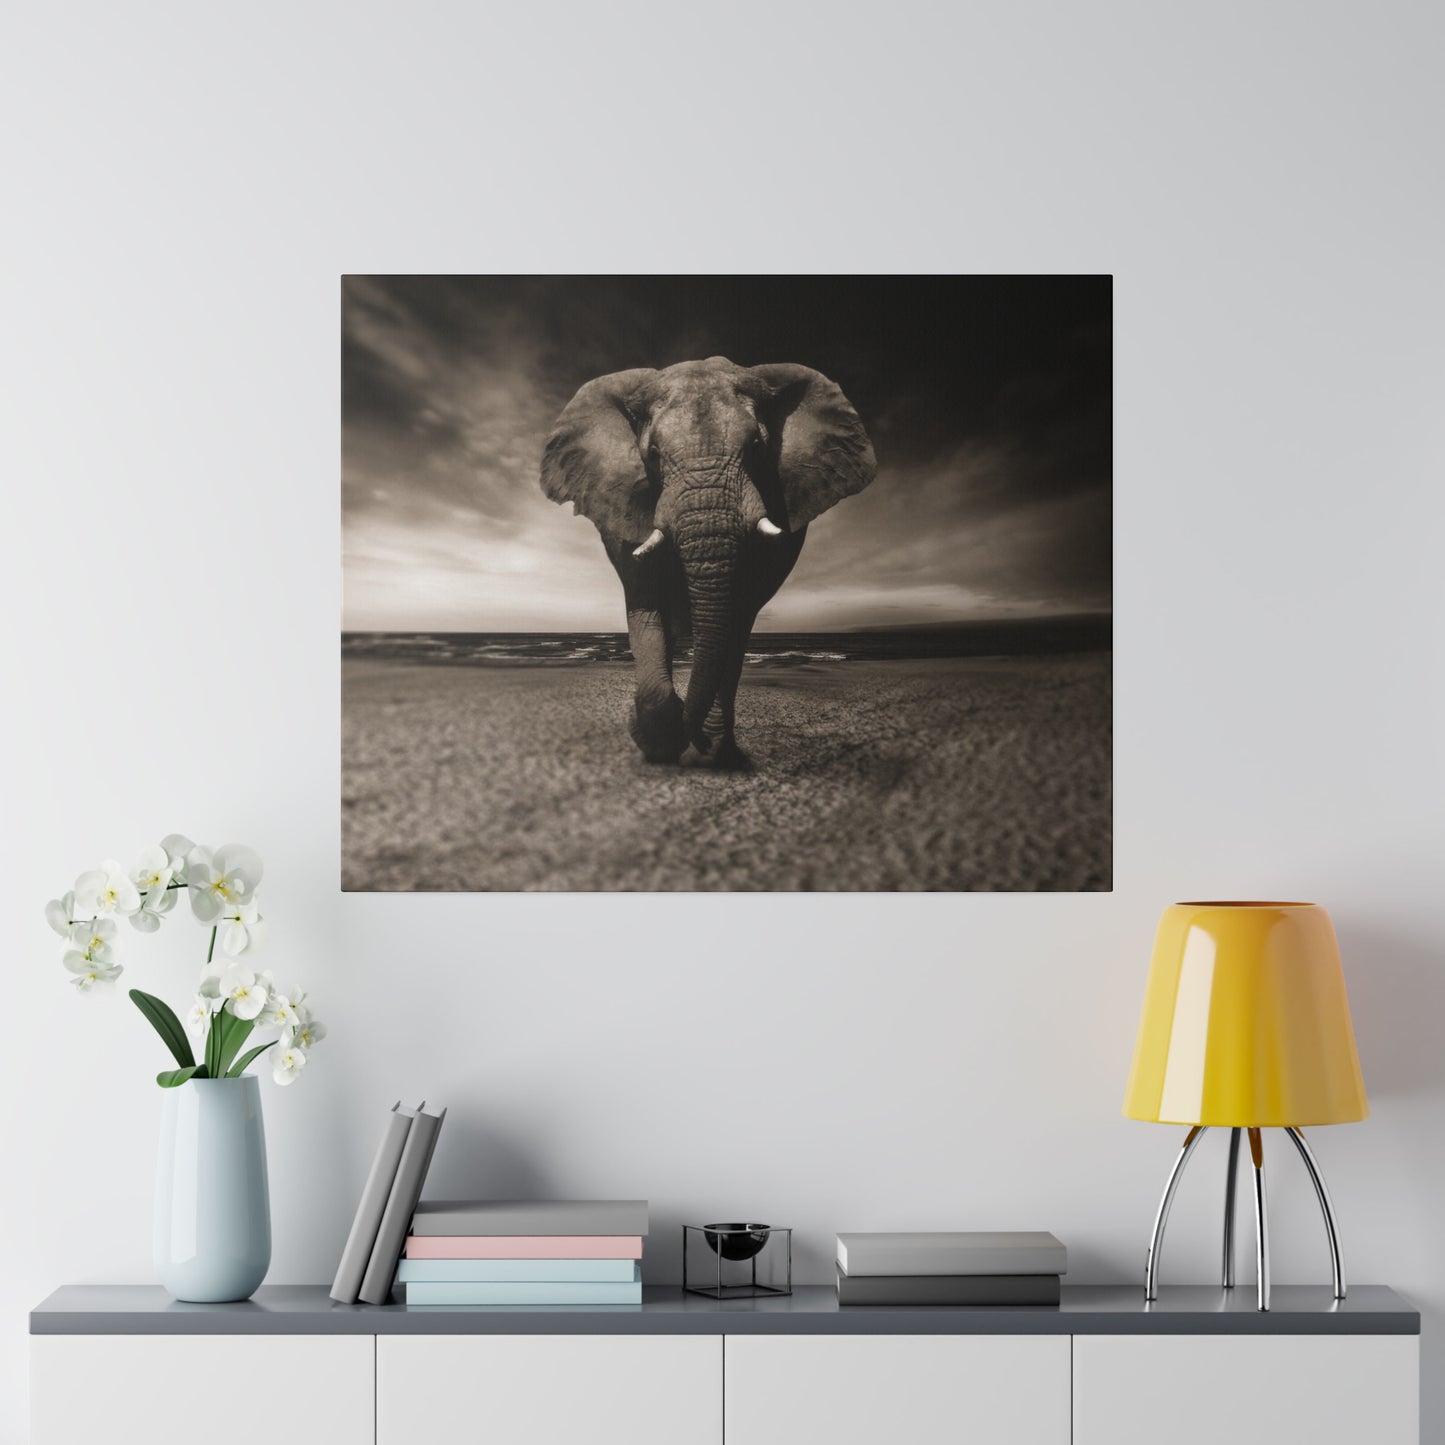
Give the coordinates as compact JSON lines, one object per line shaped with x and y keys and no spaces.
{"x":702,"y":478}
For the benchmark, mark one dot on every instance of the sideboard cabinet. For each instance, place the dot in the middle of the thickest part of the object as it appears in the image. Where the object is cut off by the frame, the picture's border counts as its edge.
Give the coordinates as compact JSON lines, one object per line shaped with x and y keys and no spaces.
{"x":124,"y":1364}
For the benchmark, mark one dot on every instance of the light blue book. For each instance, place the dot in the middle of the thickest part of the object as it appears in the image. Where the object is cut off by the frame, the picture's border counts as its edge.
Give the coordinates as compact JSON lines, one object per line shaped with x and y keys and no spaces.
{"x":519,"y":1271}
{"x":557,"y":1292}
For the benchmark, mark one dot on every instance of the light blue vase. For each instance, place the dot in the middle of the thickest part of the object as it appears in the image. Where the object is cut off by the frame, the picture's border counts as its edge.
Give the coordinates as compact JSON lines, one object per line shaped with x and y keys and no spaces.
{"x":213,"y":1210}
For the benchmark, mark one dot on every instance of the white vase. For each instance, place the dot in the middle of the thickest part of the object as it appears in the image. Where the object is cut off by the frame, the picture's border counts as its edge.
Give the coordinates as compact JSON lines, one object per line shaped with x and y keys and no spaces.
{"x":213,"y":1211}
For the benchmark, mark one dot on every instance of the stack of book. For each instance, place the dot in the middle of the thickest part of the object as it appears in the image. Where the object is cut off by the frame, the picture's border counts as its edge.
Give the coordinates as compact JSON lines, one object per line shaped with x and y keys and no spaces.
{"x":388,"y":1201}
{"x":489,"y":1252}
{"x":968,"y":1268}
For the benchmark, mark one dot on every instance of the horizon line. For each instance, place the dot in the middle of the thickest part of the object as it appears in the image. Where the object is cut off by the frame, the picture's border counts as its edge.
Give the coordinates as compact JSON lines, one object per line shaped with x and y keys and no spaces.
{"x":1042,"y":617}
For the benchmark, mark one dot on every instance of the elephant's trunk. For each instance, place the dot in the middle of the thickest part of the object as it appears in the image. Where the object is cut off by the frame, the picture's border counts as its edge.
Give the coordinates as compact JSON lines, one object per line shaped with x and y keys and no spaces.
{"x":711,"y":519}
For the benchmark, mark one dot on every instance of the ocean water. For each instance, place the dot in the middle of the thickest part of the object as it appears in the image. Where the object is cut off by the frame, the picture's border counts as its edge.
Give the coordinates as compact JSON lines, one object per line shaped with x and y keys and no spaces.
{"x":1008,"y":637}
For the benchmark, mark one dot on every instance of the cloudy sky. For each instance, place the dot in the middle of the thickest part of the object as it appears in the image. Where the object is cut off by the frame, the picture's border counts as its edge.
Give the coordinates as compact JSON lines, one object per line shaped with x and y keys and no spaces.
{"x":988,"y":401}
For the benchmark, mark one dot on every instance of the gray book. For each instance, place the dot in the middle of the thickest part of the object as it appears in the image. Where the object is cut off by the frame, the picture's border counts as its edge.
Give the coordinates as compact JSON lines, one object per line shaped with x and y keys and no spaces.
{"x":540,"y":1217}
{"x":356,"y":1254}
{"x":421,"y":1140}
{"x":957,"y":1252}
{"x":948,"y":1289}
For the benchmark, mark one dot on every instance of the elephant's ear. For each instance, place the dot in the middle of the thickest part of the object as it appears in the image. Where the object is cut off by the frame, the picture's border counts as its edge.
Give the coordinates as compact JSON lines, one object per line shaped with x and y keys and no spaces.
{"x":823,"y":452}
{"x":591,"y":458}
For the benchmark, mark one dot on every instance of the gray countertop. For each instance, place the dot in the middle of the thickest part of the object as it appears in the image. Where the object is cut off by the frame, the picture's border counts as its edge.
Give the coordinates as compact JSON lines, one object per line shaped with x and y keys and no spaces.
{"x":1086,"y":1310}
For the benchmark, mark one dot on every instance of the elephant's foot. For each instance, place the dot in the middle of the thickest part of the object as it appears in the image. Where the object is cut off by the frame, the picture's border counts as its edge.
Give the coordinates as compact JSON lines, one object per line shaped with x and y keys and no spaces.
{"x":724,"y":756}
{"x":657,"y":729}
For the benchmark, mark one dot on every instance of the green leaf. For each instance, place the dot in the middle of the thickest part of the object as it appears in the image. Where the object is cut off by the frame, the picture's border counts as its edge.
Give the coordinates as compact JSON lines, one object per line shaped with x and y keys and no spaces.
{"x":234,"y":1032}
{"x":173,"y":1078}
{"x":249,"y":1058}
{"x":166,"y":1024}
{"x":213,"y":1043}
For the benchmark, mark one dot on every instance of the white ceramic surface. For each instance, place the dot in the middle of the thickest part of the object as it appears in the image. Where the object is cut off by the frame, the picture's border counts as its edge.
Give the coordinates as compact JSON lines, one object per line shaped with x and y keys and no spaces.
{"x":213,"y":1213}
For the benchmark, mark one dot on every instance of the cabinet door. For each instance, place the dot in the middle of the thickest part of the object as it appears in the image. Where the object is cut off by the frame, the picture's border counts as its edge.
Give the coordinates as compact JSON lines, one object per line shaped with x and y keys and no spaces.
{"x":1246,"y":1389}
{"x":549,"y":1390}
{"x":898,"y":1389}
{"x":219,"y":1389}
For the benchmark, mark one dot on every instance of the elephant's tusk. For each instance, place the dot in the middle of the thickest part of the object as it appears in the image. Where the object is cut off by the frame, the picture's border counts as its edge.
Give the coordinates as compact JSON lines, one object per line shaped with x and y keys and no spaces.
{"x":769,"y":529}
{"x":652,"y":543}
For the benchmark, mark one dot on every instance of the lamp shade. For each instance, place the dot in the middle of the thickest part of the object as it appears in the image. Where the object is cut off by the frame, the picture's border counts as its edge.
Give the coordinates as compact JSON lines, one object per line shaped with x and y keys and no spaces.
{"x":1246,"y":1023}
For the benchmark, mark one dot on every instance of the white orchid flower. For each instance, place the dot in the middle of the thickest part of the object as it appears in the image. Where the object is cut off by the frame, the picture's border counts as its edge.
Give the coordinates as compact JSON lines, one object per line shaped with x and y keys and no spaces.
{"x":286,"y":1063}
{"x":308,"y":1034}
{"x":288,"y":1010}
{"x":198,"y":1017}
{"x":243,"y":929}
{"x":210,"y":984}
{"x":154,"y":869}
{"x":279,"y":1010}
{"x":244,"y":993}
{"x":218,"y":882}
{"x":178,"y":848}
{"x":106,"y":889}
{"x":95,"y":939}
{"x":59,"y":912}
{"x":152,"y":877}
{"x":157,"y":904}
{"x":88,"y":972}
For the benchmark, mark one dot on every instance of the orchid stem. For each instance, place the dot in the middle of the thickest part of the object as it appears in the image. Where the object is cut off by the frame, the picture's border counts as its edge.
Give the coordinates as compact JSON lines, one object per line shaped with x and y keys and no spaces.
{"x":210,"y":952}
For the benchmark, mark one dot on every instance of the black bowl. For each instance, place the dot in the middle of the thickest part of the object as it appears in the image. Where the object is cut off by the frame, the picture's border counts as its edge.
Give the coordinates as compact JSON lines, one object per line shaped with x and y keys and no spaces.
{"x":736,"y":1241}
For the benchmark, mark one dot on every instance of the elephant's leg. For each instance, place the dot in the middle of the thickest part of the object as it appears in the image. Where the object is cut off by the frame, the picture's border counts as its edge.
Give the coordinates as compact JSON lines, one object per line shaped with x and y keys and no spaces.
{"x":656,"y":724}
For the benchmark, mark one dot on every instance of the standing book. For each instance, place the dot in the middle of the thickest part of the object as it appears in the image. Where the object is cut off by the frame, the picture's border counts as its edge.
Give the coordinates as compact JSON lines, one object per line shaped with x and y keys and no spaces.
{"x":356,"y":1254}
{"x":406,"y":1189}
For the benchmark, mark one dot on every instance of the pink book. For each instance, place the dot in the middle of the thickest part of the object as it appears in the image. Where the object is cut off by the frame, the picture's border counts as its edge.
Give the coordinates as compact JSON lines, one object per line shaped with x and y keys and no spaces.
{"x":524,"y":1246}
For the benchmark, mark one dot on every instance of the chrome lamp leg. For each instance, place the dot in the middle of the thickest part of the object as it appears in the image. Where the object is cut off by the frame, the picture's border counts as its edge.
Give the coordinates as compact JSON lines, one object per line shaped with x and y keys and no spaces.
{"x":1261,"y":1219}
{"x":1230,"y":1180}
{"x":1261,"y":1212}
{"x":1332,"y":1230}
{"x":1156,"y":1239}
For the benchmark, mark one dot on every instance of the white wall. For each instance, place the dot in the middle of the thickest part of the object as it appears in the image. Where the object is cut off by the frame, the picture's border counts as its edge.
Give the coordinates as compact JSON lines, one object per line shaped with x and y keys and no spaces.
{"x":182,"y":191}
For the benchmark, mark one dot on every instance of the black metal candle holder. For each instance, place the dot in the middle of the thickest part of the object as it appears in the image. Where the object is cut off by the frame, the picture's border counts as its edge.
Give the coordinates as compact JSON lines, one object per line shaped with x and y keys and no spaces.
{"x":737,"y":1261}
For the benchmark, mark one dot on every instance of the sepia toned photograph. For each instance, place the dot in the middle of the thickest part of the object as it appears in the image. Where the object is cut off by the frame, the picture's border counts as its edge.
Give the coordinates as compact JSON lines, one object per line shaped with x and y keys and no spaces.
{"x":793,"y":583}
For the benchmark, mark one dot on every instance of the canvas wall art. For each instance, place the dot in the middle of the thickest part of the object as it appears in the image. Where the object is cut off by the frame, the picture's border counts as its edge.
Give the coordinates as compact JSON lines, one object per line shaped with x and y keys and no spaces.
{"x":792,"y":583}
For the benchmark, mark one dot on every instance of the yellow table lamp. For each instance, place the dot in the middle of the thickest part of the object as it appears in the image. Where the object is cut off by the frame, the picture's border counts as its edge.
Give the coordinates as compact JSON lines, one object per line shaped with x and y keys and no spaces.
{"x":1246,"y":1026}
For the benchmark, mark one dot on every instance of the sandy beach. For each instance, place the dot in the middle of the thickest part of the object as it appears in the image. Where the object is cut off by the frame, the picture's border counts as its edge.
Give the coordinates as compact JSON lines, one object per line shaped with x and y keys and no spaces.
{"x":944,"y":773}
